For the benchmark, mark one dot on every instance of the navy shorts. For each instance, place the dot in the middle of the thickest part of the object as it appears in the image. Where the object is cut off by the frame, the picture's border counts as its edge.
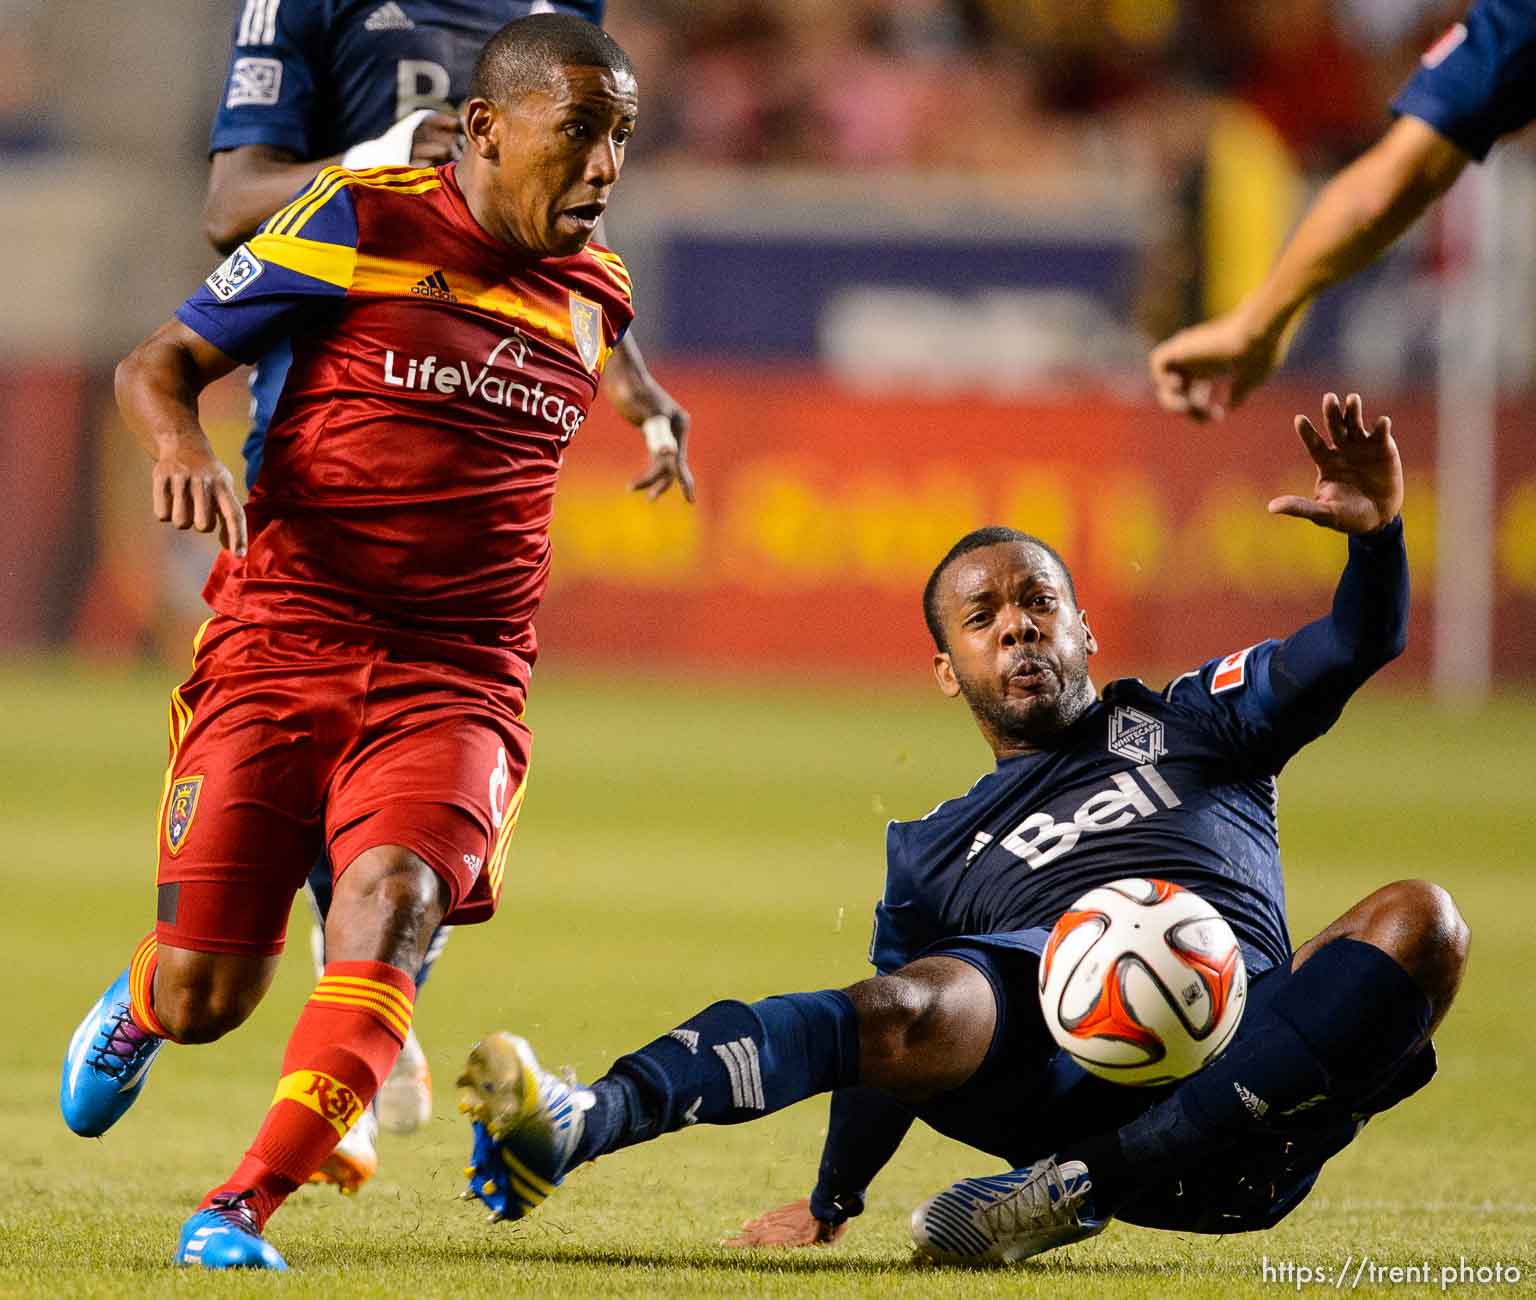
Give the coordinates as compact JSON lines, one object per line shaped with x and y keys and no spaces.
{"x":1029,"y":1099}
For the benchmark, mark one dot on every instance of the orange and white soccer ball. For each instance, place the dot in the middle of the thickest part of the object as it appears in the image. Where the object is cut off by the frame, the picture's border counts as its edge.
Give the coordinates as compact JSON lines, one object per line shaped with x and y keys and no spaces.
{"x":1142,"y":982}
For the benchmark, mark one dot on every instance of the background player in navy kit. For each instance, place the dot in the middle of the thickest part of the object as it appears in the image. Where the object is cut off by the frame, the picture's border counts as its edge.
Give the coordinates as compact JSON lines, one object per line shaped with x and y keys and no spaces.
{"x":1087,"y":789}
{"x":1476,"y":84}
{"x":368,"y":83}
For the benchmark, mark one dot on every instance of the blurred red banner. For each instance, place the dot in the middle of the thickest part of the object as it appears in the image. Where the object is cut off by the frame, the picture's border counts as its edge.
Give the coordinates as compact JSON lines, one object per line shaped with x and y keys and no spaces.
{"x":821,"y":512}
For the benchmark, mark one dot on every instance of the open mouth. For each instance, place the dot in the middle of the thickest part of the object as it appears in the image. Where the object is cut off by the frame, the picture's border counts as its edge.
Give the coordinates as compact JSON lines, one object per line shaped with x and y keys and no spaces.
{"x":585,"y":214}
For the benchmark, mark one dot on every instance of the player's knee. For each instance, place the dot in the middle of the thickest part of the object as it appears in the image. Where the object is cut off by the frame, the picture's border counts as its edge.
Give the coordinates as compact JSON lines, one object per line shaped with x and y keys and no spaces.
{"x":895,"y":1014}
{"x":201,"y":1014}
{"x":385,"y":908}
{"x":1418,"y":924}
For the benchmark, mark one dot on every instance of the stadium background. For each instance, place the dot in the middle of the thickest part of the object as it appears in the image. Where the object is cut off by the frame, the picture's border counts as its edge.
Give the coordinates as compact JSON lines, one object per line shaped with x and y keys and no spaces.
{"x":902,"y":260}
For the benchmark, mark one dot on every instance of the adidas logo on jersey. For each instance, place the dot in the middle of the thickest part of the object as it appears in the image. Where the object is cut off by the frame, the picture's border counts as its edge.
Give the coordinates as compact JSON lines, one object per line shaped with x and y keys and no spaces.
{"x":434,"y":286}
{"x":389,"y":17}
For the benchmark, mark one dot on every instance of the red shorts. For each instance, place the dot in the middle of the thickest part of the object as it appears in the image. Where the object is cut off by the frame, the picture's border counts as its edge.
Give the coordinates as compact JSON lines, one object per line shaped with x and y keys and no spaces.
{"x":287,"y":744}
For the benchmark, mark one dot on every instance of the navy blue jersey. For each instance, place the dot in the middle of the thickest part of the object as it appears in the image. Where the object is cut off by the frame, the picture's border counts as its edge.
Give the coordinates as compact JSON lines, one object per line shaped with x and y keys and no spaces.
{"x":314,"y":77}
{"x":1478,"y":81}
{"x":1179,"y":785}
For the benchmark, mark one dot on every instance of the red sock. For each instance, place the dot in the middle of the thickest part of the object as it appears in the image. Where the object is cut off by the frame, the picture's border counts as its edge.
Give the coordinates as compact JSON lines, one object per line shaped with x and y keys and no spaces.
{"x":141,"y":987}
{"x":344,"y":1044}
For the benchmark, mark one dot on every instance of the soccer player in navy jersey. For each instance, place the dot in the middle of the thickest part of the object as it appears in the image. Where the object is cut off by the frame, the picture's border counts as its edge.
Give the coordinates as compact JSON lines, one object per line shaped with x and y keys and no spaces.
{"x":1475,"y":84}
{"x":367,"y":83}
{"x":1089,"y":787}
{"x":358,"y":693}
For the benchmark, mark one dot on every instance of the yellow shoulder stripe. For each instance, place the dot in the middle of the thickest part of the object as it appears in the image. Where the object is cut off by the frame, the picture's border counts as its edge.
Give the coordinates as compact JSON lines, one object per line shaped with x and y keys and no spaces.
{"x":617,"y":271}
{"x":334,"y":263}
{"x":291,"y":219}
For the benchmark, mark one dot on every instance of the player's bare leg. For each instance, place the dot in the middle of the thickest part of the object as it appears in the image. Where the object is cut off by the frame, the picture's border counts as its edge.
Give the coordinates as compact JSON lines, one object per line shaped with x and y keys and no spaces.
{"x":167,"y":994}
{"x":386,"y":905}
{"x":1345,"y":1028}
{"x":924,"y":1030}
{"x":201,"y":996}
{"x":1416,"y":924}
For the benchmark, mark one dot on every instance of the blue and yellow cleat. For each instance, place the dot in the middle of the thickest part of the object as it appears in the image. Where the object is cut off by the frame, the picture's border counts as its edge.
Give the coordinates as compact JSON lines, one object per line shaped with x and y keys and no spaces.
{"x":108,"y":1059}
{"x":527,"y":1123}
{"x":225,"y":1236}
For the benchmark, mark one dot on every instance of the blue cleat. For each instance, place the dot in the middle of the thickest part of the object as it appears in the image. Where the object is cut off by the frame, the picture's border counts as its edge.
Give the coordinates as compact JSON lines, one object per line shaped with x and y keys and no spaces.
{"x":225,"y":1236}
{"x":1009,"y":1217}
{"x":527,"y":1123}
{"x":106,"y":1064}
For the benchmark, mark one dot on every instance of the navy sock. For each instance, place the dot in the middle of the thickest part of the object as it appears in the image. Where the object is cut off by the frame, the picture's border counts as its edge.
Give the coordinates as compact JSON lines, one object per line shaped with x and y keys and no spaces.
{"x":1335,"y":1029}
{"x":730,"y":1063}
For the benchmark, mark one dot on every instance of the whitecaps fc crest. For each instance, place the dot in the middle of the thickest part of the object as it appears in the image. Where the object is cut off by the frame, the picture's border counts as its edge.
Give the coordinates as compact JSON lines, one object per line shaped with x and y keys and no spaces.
{"x":1133,"y":735}
{"x":587,"y":330}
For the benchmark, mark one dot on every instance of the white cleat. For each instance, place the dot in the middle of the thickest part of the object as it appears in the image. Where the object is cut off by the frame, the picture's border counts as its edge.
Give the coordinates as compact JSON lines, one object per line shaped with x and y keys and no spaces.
{"x":404,"y":1102}
{"x":1007,"y":1217}
{"x":355,"y":1158}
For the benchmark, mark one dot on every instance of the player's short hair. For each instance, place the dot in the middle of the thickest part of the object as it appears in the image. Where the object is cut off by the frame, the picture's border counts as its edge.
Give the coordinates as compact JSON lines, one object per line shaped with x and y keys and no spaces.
{"x":995,"y":535}
{"x":528,"y":54}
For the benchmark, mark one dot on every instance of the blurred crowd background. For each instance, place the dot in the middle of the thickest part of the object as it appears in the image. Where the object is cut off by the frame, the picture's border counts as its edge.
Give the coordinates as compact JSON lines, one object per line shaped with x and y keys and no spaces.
{"x":903,"y":259}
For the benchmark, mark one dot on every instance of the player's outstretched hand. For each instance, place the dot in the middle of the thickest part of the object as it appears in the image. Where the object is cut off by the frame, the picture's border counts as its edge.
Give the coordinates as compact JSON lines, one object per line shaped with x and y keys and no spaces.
{"x":1359,"y":473}
{"x":789,"y":1225}
{"x":1207,"y":369}
{"x":193,"y":489}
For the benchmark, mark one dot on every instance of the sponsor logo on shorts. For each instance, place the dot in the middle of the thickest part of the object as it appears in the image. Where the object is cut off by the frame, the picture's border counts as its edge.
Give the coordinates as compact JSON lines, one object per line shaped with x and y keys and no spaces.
{"x":587,"y":330}
{"x":500,"y":782}
{"x":234,"y":273}
{"x":1133,"y":735}
{"x":180,"y":809}
{"x":254,"y":83}
{"x":1256,"y":1105}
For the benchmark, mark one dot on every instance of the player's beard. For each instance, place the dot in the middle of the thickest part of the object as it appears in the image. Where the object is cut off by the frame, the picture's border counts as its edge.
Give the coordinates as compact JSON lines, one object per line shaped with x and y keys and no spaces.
{"x":1035,"y":719}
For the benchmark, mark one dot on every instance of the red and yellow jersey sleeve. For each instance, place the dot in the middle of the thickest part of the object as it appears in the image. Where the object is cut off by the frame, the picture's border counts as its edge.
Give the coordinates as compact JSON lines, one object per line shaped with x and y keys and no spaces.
{"x":298,"y":264}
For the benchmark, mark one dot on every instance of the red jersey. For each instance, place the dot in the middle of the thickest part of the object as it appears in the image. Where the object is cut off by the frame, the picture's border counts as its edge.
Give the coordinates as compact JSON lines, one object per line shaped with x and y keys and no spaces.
{"x":437,"y":376}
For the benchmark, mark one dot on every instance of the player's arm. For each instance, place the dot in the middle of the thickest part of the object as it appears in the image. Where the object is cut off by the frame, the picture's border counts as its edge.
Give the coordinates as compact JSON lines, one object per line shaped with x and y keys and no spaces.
{"x":1273,"y":698}
{"x":248,"y":183}
{"x":864,"y":1131}
{"x":158,"y":384}
{"x":265,"y":127}
{"x":1358,"y":492}
{"x":636,"y":395}
{"x":1356,"y":217}
{"x":865,"y":1127}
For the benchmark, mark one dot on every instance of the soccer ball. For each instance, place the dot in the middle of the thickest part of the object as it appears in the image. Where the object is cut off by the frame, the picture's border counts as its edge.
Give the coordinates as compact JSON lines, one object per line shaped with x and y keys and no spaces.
{"x":1142,"y":982}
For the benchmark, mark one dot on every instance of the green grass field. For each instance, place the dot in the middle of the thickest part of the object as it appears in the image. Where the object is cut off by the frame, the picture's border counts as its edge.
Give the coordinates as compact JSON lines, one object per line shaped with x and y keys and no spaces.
{"x":683,"y":844}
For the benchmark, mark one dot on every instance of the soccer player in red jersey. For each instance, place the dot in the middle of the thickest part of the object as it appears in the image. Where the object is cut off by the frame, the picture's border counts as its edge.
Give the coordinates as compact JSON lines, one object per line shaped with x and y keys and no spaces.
{"x":359,"y":688}
{"x":363,"y":83}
